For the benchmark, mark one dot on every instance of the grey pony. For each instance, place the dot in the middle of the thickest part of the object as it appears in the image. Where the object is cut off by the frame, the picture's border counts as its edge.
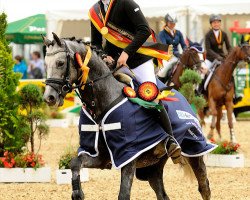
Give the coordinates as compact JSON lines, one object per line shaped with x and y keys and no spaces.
{"x":147,"y":167}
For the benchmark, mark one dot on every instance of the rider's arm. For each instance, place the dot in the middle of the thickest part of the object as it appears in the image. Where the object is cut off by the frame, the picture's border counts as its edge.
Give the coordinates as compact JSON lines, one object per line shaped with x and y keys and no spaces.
{"x":182,"y":42}
{"x":96,"y":37}
{"x":139,"y":23}
{"x":162,"y":37}
{"x":209,"y":49}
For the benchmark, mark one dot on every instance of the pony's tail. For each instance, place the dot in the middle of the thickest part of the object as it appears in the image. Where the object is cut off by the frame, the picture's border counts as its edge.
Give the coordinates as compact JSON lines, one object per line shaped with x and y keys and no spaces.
{"x":187,"y":169}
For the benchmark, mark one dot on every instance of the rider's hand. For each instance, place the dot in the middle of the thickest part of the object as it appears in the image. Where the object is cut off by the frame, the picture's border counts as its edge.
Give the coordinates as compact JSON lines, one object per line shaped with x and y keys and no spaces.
{"x":109,"y":60}
{"x":122,"y":60}
{"x":220,"y":58}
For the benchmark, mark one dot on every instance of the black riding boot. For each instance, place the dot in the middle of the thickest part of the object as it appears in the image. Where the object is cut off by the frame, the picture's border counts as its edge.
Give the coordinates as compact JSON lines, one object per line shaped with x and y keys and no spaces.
{"x":172,"y":146}
{"x":161,"y":79}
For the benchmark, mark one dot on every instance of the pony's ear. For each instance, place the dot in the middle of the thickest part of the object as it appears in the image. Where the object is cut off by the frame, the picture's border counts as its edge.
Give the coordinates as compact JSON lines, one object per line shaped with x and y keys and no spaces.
{"x":242,"y":41}
{"x":56,"y":38}
{"x":46,"y":41}
{"x":190,"y":43}
{"x":201,"y":42}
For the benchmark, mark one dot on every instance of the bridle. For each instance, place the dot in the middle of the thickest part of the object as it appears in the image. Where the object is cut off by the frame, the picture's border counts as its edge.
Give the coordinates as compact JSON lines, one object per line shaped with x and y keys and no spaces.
{"x":196,"y":64}
{"x":63,"y":86}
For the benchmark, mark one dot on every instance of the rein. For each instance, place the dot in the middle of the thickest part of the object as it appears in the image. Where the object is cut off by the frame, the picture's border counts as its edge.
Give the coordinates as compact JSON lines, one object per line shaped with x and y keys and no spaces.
{"x":195,"y":66}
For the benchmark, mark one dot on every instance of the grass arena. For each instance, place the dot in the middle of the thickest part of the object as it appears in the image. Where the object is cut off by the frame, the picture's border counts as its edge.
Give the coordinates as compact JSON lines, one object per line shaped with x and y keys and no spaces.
{"x":225,"y":183}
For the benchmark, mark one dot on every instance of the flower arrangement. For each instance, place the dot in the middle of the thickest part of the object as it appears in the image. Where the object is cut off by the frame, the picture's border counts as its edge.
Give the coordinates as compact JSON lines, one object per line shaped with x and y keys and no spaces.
{"x":24,"y":160}
{"x":65,"y":159}
{"x":225,"y":147}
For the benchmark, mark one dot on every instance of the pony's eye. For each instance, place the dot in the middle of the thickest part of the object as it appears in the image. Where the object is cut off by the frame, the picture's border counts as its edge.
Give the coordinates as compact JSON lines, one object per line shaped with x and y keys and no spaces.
{"x":60,"y":63}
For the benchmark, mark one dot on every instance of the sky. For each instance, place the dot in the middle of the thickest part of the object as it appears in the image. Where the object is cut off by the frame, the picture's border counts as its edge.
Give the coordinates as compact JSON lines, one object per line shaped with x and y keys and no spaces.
{"x":18,"y":9}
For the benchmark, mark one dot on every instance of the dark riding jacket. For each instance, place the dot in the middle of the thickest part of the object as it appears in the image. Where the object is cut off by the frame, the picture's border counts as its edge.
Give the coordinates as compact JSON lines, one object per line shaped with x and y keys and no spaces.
{"x":167,"y":38}
{"x":215,"y":50}
{"x":126,"y":15}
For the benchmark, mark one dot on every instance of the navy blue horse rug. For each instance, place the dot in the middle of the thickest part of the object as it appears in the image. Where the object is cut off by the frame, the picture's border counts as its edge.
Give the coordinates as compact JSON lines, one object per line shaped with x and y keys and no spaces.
{"x":129,"y":130}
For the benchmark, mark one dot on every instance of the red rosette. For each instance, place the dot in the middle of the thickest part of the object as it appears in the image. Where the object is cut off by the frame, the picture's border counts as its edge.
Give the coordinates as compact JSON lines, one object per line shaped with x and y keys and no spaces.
{"x":129,"y":92}
{"x":148,"y":91}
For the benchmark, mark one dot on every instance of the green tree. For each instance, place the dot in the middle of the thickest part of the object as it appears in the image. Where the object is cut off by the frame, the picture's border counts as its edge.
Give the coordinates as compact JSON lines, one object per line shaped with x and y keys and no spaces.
{"x":12,"y":129}
{"x":189,"y":80}
{"x":31,"y":102}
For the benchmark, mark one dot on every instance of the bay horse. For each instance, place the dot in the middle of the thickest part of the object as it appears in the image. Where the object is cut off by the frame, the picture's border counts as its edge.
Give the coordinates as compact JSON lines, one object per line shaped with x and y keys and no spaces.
{"x":221,"y":89}
{"x":63,"y":76}
{"x":192,"y":58}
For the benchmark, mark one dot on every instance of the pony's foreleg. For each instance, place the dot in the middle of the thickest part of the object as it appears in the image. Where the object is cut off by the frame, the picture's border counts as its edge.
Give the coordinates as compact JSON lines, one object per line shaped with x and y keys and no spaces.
{"x":219,"y":116}
{"x":77,"y":163}
{"x":213,"y":111}
{"x":127,"y":176}
{"x":229,"y":107}
{"x":155,"y":179}
{"x":199,"y":169}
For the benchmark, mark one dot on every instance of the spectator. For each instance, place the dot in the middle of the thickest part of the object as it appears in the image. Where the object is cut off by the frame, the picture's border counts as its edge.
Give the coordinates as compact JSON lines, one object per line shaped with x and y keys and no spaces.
{"x":36,"y":65}
{"x":20,"y":66}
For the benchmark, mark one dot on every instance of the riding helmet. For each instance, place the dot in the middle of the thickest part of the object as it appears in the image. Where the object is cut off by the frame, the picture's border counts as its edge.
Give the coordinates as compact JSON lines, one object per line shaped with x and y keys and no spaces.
{"x":170,"y":18}
{"x":214,"y":17}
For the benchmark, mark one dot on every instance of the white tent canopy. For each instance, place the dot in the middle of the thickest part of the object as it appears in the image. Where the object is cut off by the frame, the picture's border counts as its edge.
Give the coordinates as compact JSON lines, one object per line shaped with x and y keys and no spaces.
{"x":188,"y":12}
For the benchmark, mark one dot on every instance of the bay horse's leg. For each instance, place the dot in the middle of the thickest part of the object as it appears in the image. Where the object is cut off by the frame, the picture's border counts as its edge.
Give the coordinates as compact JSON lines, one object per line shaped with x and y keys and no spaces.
{"x":229,"y":107}
{"x":127,"y":176}
{"x":155,"y":178}
{"x":201,"y":115}
{"x":219,"y":116}
{"x":83,"y":161}
{"x":199,"y":169}
{"x":213,"y":112}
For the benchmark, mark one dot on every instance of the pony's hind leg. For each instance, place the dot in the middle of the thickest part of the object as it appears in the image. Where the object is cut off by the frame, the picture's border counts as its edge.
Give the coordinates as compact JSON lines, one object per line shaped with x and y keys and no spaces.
{"x":127,"y":176}
{"x":155,"y":179}
{"x":79,"y":162}
{"x":199,"y":169}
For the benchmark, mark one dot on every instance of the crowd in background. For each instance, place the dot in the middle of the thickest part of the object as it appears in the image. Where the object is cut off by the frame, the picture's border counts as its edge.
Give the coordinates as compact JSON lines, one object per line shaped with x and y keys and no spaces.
{"x":33,"y":69}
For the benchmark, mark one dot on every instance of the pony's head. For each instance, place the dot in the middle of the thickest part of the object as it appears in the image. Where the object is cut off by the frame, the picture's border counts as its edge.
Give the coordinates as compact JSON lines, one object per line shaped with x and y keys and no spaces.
{"x":61,"y":68}
{"x":194,"y":56}
{"x":243,"y":50}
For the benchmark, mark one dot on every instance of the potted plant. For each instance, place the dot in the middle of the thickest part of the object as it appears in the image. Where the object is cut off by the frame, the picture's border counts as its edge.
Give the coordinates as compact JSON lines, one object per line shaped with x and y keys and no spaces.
{"x":23,"y":167}
{"x":17,"y":128}
{"x":225,"y":155}
{"x":63,"y":174}
{"x":189,"y":80}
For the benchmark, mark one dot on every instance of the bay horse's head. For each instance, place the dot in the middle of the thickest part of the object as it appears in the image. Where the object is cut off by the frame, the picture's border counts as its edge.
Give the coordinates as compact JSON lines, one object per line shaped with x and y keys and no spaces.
{"x":194,"y":56}
{"x":61,"y":68}
{"x":243,"y":50}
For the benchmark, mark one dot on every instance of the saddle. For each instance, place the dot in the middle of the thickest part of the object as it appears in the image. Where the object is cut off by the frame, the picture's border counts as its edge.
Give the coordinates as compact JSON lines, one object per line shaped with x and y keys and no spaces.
{"x":210,"y":74}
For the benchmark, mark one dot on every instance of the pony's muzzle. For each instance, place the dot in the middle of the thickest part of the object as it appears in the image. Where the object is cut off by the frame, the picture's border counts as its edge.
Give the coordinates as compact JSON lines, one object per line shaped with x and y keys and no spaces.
{"x":50,"y":100}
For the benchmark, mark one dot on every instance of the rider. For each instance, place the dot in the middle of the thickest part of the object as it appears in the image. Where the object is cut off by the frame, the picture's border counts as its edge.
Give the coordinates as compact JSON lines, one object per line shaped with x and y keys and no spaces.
{"x":214,"y":41}
{"x":125,"y":16}
{"x":170,"y":36}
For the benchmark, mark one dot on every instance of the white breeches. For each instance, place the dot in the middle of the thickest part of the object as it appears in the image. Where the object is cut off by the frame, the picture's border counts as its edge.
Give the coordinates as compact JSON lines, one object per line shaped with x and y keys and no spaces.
{"x":167,"y":65}
{"x":145,"y":72}
{"x":208,"y":64}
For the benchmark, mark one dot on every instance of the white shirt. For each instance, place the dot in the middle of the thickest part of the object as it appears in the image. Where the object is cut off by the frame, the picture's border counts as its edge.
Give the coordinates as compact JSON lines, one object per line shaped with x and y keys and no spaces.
{"x":216,"y":33}
{"x":170,"y":30}
{"x":106,"y":4}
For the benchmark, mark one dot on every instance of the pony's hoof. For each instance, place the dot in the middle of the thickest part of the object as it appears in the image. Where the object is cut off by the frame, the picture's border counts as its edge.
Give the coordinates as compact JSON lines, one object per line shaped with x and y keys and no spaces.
{"x":77,"y":195}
